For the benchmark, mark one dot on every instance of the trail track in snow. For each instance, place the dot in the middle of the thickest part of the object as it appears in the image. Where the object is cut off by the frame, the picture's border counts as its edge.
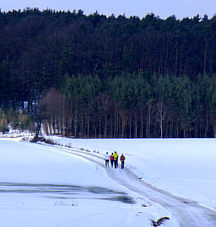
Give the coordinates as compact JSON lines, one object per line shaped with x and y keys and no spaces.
{"x":186,"y":212}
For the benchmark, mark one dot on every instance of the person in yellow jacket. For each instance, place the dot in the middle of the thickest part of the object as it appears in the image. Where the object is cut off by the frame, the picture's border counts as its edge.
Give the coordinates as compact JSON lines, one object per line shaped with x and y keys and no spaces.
{"x":115,"y":159}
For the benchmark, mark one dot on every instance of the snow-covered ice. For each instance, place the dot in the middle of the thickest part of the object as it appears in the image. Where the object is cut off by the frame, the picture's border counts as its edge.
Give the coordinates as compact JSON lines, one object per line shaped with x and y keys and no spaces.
{"x":44,"y":185}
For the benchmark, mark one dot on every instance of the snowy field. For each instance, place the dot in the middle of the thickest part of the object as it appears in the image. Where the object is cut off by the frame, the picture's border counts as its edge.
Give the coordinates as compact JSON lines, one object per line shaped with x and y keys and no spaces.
{"x":44,"y":185}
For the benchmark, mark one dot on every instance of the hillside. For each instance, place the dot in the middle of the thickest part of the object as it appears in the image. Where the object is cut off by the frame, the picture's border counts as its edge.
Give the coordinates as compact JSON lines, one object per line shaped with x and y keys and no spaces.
{"x":113,"y":76}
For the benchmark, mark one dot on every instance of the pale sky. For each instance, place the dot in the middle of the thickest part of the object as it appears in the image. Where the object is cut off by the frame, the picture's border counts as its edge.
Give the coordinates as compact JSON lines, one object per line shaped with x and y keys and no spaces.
{"x":161,"y":8}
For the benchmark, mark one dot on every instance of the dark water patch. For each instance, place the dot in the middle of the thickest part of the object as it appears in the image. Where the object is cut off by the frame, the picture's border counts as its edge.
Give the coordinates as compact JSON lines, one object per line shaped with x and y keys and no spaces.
{"x":101,"y":190}
{"x":63,"y":191}
{"x":42,"y":188}
{"x":123,"y":199}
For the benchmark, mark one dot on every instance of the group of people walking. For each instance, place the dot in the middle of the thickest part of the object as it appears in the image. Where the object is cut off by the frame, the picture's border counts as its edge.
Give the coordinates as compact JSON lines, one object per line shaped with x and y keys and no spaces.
{"x":113,"y":159}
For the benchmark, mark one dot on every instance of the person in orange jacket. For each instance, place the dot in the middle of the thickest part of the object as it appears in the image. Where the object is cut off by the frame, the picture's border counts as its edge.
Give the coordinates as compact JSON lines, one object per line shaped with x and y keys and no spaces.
{"x":122,"y":159}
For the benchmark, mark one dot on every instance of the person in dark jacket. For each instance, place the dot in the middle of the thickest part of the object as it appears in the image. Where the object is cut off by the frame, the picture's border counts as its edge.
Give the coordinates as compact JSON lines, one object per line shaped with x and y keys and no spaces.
{"x":122,"y":160}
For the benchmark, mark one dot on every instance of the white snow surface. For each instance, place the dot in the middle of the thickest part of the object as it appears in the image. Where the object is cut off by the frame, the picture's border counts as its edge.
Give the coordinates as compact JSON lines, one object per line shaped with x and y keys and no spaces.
{"x":68,"y":185}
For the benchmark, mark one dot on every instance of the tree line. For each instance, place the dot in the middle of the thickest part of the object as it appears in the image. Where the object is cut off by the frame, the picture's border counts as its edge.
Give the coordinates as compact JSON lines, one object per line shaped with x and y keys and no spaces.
{"x":131,"y":106}
{"x":112,"y":76}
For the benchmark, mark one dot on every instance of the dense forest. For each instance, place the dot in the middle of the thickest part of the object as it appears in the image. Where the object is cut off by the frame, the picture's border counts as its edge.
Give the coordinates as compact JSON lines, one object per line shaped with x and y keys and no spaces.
{"x":108,"y":76}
